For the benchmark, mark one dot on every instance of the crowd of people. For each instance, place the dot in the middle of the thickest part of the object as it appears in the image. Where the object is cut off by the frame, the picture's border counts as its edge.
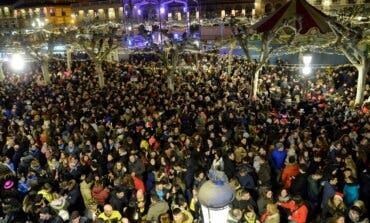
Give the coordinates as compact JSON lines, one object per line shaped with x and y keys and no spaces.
{"x":136,"y":151}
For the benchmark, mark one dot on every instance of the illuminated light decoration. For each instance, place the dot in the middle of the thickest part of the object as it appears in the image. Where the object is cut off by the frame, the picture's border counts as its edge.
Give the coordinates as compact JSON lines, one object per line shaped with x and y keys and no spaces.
{"x":17,"y":62}
{"x":307,"y":59}
{"x":185,"y":9}
{"x":162,"y":10}
{"x":326,"y":3}
{"x":176,"y":36}
{"x":139,"y":11}
{"x":306,"y":70}
{"x":223,"y":14}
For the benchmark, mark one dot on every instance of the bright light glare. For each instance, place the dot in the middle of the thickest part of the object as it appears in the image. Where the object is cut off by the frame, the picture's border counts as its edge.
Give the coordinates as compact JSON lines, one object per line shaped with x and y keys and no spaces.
{"x":327,"y":3}
{"x":307,"y":60}
{"x":306,"y":70}
{"x":17,"y":62}
{"x":139,"y":12}
{"x":162,"y":10}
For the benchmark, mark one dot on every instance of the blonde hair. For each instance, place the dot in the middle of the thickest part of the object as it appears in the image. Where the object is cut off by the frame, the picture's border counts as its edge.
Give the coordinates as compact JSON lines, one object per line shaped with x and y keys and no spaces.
{"x":350,"y":164}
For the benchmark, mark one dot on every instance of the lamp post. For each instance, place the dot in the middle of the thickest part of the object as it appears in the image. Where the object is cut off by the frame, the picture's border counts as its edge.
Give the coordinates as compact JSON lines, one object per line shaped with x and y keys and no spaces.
{"x":215,"y":197}
{"x":307,"y":59}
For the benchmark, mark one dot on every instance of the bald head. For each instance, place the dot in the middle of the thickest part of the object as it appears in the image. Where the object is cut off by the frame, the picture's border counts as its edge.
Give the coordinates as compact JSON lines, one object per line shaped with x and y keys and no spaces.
{"x":108,"y":210}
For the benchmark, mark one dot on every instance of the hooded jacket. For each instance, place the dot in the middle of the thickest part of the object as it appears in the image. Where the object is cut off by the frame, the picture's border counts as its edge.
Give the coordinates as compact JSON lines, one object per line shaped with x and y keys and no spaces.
{"x":100,"y":194}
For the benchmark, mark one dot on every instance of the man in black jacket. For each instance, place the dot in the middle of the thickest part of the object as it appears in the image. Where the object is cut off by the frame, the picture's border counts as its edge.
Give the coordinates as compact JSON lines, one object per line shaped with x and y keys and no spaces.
{"x":117,"y":199}
{"x":229,"y":164}
{"x":300,"y":182}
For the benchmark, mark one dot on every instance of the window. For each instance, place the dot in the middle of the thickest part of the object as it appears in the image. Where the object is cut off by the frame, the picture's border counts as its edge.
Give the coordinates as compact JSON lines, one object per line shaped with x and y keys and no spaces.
{"x":52,"y":12}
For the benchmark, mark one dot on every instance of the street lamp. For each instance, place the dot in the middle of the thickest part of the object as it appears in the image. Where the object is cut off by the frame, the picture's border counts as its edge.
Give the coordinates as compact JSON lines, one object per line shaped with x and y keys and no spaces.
{"x":17,"y":62}
{"x":307,"y":59}
{"x":215,"y":197}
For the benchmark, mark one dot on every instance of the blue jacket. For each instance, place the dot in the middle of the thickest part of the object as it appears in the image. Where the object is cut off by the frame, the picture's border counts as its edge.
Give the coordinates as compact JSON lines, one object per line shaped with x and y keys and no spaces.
{"x":328,"y":192}
{"x":351,"y":193}
{"x":278,"y":158}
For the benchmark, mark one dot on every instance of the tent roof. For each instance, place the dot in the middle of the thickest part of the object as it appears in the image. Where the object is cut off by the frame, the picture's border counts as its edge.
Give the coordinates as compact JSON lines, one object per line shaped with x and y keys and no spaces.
{"x":310,"y":16}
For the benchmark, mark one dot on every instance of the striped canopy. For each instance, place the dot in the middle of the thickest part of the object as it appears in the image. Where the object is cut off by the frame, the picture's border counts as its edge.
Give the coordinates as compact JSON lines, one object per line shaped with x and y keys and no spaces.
{"x":309,"y":16}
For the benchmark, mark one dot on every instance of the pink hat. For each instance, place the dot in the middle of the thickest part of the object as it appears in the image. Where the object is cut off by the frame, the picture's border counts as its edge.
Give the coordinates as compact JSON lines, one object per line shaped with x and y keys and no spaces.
{"x":8,"y":184}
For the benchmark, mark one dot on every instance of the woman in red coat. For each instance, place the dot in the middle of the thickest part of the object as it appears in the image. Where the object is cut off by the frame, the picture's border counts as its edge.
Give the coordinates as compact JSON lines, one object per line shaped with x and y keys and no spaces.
{"x":298,"y":210}
{"x":100,"y":193}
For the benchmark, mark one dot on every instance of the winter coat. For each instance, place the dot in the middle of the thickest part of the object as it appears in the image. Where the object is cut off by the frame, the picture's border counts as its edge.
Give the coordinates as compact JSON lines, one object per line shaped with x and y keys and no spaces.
{"x":75,"y":201}
{"x":53,"y":219}
{"x":229,"y":167}
{"x":297,"y":214}
{"x":156,"y":210}
{"x":137,"y":167}
{"x":278,"y":158}
{"x":299,"y":185}
{"x":268,"y":218}
{"x":328,"y":192}
{"x":100,"y":194}
{"x":288,"y":172}
{"x":264,"y":175}
{"x":188,"y":218}
{"x":313,"y":190}
{"x":117,"y":203}
{"x":85,"y":189}
{"x":351,"y":193}
{"x":139,"y":184}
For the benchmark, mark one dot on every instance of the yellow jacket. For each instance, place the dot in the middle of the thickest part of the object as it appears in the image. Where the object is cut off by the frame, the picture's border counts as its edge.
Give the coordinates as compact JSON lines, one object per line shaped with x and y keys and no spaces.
{"x":47,"y":195}
{"x":114,"y":216}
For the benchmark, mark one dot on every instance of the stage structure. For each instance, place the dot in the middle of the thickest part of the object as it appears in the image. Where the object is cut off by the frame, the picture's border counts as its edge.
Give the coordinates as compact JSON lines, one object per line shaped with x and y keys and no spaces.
{"x":176,"y":16}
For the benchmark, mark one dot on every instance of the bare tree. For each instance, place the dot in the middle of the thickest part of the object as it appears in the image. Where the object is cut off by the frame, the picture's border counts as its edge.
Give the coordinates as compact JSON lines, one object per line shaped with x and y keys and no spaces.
{"x":169,"y":50}
{"x":353,"y":39}
{"x":243,"y":33}
{"x":98,"y":41}
{"x":39,"y":45}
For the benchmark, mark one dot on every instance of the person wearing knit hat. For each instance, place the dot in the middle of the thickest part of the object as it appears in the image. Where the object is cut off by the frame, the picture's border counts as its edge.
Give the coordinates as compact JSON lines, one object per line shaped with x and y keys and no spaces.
{"x":335,"y":206}
{"x":339,"y":196}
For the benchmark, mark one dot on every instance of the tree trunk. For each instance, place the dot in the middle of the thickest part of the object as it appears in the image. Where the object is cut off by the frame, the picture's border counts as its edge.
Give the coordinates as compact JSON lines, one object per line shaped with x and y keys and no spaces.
{"x":170,"y":83}
{"x":45,"y":71}
{"x":255,"y":80}
{"x":69,"y":59}
{"x":2,"y":77}
{"x":362,"y":69}
{"x":99,"y":71}
{"x":231,"y":56}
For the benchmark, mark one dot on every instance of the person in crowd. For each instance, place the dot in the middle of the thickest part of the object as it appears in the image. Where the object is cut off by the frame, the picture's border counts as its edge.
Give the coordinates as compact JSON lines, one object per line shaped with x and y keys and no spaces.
{"x":298,"y":210}
{"x":271,"y":215}
{"x":335,"y":206}
{"x":109,"y":214}
{"x":47,"y":215}
{"x":156,"y":208}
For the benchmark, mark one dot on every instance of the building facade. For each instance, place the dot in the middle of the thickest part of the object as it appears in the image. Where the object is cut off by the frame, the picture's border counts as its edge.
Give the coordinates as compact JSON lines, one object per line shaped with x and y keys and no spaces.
{"x":25,"y":13}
